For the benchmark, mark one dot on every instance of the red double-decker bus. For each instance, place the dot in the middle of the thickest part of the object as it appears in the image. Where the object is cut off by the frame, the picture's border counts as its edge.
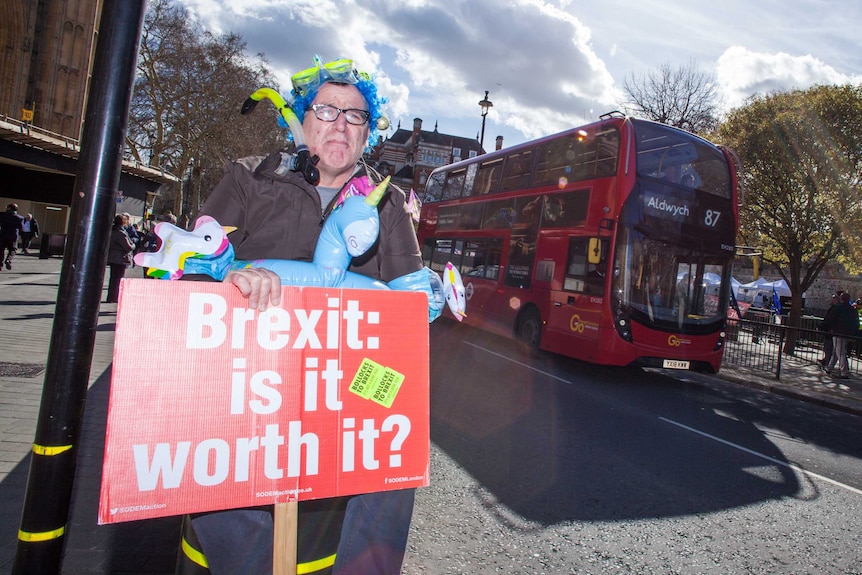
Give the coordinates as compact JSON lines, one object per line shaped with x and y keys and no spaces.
{"x":611,"y":243}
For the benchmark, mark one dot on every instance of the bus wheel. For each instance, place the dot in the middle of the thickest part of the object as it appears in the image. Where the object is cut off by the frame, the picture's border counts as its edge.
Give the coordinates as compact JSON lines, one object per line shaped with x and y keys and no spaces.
{"x":529,"y":330}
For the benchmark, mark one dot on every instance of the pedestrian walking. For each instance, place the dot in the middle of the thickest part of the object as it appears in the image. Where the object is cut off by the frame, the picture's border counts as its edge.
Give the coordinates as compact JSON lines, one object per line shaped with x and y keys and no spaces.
{"x":119,"y":257}
{"x":29,"y":231}
{"x":846,"y":326}
{"x":10,"y":229}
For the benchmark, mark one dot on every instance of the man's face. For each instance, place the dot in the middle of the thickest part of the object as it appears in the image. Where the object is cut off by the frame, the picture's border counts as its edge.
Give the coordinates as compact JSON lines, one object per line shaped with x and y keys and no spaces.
{"x":338,"y":144}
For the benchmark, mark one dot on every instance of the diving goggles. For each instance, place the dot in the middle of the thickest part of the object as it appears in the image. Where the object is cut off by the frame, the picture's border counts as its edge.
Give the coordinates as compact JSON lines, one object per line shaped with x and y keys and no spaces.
{"x":341,"y":71}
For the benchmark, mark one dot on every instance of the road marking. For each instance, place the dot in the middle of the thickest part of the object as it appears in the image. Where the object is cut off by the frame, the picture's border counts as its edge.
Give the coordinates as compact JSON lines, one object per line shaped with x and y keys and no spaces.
{"x":507,"y":358}
{"x":766,"y":457}
{"x":693,"y":430}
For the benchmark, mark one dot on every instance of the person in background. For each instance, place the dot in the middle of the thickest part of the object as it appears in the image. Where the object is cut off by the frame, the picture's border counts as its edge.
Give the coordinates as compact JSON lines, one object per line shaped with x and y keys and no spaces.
{"x":826,"y":326}
{"x":29,"y":230}
{"x":133,"y":233}
{"x":10,"y":228}
{"x":183,"y":222}
{"x":119,"y":256}
{"x":168,"y":216}
{"x":846,"y":325}
{"x":130,"y":229}
{"x":857,"y":343}
{"x":278,"y":214}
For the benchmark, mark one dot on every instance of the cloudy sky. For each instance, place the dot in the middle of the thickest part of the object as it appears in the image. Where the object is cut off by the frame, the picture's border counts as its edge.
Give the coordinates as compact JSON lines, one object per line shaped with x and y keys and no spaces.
{"x":548,"y":65}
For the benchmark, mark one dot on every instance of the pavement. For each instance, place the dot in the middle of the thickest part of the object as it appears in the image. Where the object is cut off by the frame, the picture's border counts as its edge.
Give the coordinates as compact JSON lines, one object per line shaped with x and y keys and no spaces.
{"x":28,"y":295}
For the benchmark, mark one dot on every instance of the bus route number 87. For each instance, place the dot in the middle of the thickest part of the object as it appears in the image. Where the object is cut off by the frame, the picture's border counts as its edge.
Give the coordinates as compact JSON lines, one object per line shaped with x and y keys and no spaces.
{"x":711,"y":218}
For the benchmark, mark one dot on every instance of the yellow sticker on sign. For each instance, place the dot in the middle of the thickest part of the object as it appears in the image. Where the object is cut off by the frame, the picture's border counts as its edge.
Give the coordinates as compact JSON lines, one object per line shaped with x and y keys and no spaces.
{"x":375,"y":382}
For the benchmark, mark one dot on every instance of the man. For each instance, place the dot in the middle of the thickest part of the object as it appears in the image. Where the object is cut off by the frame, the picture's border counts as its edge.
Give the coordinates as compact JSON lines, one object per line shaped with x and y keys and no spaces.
{"x":827,"y":325}
{"x":845,"y":326}
{"x":131,"y":230}
{"x":10,"y":227}
{"x":29,"y":230}
{"x":278,"y":214}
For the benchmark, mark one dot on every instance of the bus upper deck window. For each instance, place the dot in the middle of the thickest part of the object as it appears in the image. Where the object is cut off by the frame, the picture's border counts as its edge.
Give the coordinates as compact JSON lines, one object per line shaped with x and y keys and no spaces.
{"x":434,"y":188}
{"x":454,"y":183}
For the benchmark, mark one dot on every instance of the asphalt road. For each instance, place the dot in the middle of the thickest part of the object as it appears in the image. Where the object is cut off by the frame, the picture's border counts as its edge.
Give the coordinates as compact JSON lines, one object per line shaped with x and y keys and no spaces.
{"x":548,"y":465}
{"x":539,"y":464}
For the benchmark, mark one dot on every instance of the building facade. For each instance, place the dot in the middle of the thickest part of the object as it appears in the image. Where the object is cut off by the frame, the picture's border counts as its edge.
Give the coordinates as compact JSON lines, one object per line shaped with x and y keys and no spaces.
{"x":46,"y":57}
{"x":410,"y":156}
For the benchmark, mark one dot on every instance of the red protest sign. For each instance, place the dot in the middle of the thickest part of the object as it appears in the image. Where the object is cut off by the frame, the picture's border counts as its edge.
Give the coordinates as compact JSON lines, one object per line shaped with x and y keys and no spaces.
{"x":216,"y":406}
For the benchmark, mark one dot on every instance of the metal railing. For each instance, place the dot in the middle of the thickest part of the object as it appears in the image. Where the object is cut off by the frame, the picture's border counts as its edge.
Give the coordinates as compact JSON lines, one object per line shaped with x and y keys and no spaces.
{"x":757,"y":342}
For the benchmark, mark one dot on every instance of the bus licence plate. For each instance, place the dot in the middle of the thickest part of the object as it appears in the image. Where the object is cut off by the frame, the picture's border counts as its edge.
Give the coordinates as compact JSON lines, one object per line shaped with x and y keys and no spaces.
{"x":675,"y":364}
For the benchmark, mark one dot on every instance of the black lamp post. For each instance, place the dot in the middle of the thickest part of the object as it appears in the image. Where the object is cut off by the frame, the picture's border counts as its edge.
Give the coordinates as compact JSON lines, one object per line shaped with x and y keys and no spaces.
{"x":486,"y":105}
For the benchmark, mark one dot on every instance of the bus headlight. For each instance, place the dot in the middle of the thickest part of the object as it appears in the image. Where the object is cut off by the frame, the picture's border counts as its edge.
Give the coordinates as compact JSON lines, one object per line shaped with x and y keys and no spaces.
{"x":720,"y":343}
{"x":623,"y":325}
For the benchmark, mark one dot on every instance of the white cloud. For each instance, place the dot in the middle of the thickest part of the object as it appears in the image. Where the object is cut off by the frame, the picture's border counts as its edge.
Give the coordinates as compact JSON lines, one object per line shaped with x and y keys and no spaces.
{"x":547,"y":64}
{"x":742,"y":73}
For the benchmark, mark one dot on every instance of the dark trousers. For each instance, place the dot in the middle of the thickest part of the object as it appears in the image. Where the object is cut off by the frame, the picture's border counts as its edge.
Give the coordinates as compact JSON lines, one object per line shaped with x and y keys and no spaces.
{"x":26,"y":238}
{"x":827,"y":350}
{"x":9,"y":247}
{"x":117,"y":273}
{"x":373,"y":537}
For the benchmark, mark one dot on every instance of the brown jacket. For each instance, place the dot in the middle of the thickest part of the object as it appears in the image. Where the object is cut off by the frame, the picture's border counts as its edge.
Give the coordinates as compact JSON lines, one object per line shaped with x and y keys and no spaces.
{"x":280,"y":217}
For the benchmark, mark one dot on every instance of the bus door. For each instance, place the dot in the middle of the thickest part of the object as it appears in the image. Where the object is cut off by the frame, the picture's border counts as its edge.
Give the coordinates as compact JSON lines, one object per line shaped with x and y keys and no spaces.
{"x":577,"y":295}
{"x":478,"y":261}
{"x":480,"y":271}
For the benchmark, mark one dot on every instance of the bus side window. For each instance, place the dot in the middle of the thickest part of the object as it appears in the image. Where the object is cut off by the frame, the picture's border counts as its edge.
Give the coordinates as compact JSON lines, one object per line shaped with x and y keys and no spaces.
{"x":441,"y":253}
{"x":434,"y":188}
{"x":427,"y":250}
{"x":516,"y":171}
{"x":488,"y":177}
{"x":473,"y":262}
{"x":553,"y":163}
{"x":607,"y":153}
{"x":499,"y":214}
{"x":454,"y":183}
{"x":469,"y":180}
{"x":457,"y":254}
{"x":493,"y":259}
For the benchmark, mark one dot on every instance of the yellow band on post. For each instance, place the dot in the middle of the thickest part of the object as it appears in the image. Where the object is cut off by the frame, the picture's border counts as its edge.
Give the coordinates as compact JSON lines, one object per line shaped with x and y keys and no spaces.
{"x":44,"y":536}
{"x":301,"y":568}
{"x":314,"y":566}
{"x":47,"y":450}
{"x":193,"y":554}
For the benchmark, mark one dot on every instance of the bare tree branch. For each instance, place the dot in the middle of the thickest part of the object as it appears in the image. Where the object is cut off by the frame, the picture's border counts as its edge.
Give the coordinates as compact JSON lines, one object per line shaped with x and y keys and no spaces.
{"x":683,"y":97}
{"x":184,"y":114}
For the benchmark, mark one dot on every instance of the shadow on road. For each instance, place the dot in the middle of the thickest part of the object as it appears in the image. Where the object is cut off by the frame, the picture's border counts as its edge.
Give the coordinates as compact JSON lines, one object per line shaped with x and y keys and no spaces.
{"x":574,"y":441}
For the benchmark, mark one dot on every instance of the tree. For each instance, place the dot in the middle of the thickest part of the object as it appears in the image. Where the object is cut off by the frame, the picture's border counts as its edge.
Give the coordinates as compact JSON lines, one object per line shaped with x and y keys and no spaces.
{"x":184,"y":115}
{"x":683,"y":97}
{"x":801,"y":153}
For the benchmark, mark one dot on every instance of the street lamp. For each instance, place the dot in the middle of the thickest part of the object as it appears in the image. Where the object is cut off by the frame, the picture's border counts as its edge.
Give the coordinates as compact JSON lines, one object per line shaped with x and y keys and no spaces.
{"x":486,"y":105}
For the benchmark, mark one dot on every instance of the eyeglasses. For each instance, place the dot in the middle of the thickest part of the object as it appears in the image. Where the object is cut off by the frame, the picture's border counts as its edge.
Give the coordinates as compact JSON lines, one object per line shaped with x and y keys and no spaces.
{"x":341,"y":71}
{"x":328,"y":113}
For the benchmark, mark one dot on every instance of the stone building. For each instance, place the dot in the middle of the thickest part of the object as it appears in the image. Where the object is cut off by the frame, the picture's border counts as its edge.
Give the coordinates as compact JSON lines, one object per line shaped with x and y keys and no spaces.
{"x":46,"y":57}
{"x":410,"y":156}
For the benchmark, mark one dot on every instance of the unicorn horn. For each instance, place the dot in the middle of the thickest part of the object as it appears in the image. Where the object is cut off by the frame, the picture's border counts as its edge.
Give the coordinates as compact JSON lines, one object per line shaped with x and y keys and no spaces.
{"x":375,"y":196}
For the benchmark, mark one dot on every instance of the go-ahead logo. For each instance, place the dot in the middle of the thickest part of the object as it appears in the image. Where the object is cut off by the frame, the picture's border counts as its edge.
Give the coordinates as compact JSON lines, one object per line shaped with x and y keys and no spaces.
{"x":675,"y":341}
{"x":575,"y":324}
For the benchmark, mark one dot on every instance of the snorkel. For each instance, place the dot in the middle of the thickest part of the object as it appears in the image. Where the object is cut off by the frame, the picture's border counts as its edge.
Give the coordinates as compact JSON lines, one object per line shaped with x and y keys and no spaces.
{"x":303,"y":161}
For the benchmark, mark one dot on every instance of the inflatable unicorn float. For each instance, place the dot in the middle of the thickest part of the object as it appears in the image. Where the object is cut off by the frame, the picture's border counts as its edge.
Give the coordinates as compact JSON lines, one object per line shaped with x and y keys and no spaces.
{"x":349,"y":231}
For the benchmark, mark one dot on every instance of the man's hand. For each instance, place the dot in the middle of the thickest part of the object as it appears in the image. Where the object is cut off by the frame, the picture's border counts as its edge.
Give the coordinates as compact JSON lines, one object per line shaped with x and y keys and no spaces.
{"x":261,"y":287}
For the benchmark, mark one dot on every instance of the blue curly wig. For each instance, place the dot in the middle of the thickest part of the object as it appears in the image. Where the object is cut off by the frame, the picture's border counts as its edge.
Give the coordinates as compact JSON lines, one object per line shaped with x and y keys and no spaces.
{"x":366,"y":87}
